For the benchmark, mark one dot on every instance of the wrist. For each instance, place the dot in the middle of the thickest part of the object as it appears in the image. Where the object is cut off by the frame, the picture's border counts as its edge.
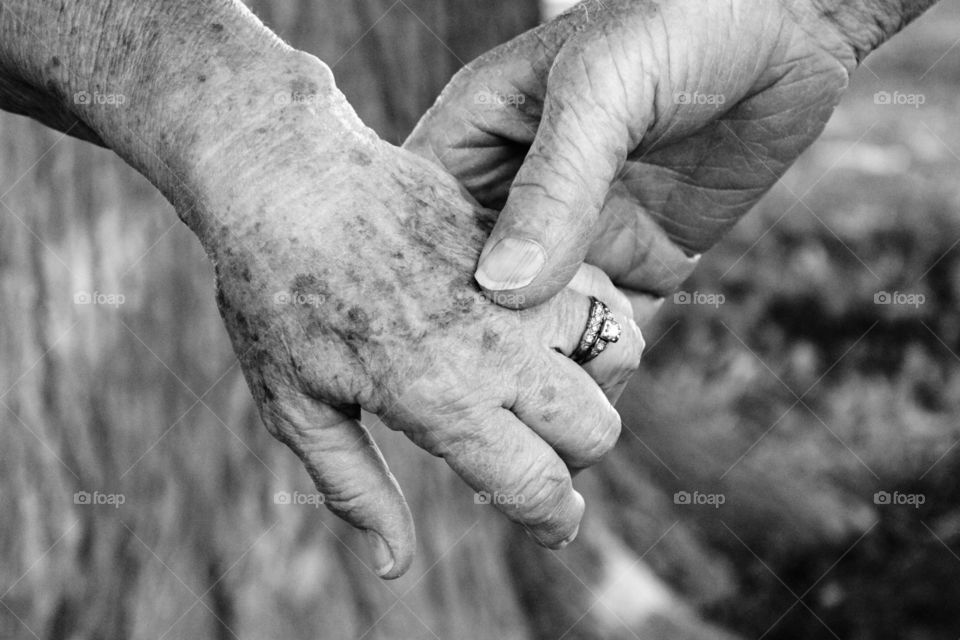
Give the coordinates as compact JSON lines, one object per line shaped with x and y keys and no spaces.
{"x":195,"y":75}
{"x":177,"y":88}
{"x":256,"y":131}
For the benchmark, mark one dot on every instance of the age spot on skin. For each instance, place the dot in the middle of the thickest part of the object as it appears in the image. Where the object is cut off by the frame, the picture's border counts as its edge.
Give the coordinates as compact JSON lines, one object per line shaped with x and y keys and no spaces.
{"x":307,"y":284}
{"x":302,"y":89}
{"x":361,"y":227}
{"x":358,"y":329}
{"x":216,"y":27}
{"x":359,"y":157}
{"x":548,"y":393}
{"x":490,"y":340}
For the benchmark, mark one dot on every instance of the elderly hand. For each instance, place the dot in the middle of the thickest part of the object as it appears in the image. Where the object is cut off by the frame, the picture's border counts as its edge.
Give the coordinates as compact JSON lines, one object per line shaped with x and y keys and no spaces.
{"x":344,"y":265}
{"x":344,"y":269}
{"x":634,"y":133}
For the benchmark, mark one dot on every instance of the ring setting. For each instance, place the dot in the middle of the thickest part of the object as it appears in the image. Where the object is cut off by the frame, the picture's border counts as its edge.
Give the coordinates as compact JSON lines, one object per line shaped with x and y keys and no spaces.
{"x":602,"y":329}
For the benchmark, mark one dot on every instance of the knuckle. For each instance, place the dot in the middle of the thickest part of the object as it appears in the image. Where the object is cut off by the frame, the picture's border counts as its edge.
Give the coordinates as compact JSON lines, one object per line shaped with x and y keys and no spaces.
{"x":544,"y":492}
{"x":630,"y":349}
{"x":605,"y":438}
{"x":349,"y":503}
{"x":599,"y":441}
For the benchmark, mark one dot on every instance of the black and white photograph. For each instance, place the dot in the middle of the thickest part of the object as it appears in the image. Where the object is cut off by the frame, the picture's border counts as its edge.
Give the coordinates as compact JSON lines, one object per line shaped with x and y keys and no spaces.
{"x":479,"y":319}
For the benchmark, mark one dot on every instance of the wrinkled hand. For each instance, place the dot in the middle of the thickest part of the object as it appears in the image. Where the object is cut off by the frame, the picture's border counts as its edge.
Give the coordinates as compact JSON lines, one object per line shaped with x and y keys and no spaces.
{"x":345,"y":277}
{"x":635,"y":133}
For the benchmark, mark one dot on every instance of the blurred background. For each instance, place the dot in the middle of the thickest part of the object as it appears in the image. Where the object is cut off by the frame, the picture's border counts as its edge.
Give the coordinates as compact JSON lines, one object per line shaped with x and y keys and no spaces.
{"x":788,"y":467}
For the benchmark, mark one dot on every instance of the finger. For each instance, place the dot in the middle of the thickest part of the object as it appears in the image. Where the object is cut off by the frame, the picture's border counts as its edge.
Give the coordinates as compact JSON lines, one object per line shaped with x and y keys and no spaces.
{"x":485,"y":119}
{"x":478,"y":131}
{"x":548,"y":223}
{"x":591,"y":281}
{"x":350,"y":473}
{"x":558,"y":399}
{"x":564,"y":406}
{"x":499,"y":457}
{"x":645,"y":307}
{"x":616,"y":373}
{"x":618,"y":362}
{"x":633,"y":248}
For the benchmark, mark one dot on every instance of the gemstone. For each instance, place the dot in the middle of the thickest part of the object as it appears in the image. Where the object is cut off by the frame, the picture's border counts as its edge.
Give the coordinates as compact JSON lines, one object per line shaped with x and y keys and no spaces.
{"x":610,"y":332}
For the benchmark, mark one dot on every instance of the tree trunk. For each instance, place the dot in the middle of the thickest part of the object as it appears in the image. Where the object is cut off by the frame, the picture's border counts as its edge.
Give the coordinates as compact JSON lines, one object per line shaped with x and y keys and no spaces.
{"x":392,"y":58}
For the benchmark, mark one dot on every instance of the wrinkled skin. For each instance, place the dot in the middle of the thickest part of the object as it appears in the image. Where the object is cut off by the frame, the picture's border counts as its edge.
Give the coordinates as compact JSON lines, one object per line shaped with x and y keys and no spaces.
{"x":345,"y":280}
{"x":344,"y":265}
{"x":635,"y":133}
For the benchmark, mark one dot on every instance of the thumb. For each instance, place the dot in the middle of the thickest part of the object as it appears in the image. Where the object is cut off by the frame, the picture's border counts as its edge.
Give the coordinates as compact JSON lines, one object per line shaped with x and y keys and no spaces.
{"x":549,"y":221}
{"x":349,"y":471}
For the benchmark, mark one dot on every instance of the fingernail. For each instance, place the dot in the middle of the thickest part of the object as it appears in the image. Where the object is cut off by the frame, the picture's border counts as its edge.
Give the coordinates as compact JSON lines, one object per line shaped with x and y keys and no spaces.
{"x":511,"y":264}
{"x":573,"y":536}
{"x":382,"y":558}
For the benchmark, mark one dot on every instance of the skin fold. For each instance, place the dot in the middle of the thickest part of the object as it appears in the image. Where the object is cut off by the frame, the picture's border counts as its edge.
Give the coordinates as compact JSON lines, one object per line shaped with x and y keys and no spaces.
{"x":635,"y":133}
{"x":344,"y":265}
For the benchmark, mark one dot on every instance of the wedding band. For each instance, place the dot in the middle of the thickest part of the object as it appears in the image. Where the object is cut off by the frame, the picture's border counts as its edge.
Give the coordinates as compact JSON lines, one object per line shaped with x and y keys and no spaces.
{"x":602,"y":329}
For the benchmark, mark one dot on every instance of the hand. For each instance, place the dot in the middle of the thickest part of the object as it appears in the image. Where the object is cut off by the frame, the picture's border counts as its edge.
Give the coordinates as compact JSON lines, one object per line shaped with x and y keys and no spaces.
{"x":635,"y":133}
{"x":344,"y":269}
